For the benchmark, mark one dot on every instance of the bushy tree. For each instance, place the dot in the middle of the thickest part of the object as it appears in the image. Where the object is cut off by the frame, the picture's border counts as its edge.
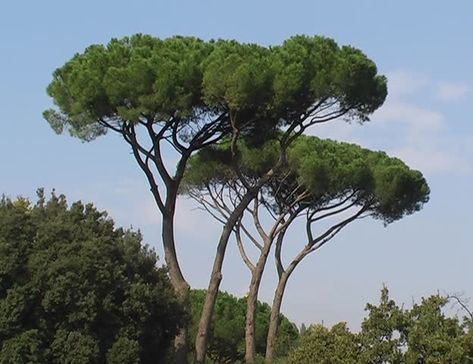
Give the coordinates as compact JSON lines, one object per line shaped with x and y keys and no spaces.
{"x":75,"y":289}
{"x":431,"y":336}
{"x":383,"y":332}
{"x":422,"y":334}
{"x":321,"y":345}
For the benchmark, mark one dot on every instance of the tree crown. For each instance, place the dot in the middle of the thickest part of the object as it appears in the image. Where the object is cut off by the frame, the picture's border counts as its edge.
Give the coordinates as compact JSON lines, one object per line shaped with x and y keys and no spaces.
{"x":185,"y":78}
{"x":327,"y":170}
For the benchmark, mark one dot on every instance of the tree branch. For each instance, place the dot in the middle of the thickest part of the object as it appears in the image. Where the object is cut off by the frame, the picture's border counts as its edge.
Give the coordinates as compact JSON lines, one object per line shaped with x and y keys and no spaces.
{"x":157,"y":158}
{"x":241,"y":248}
{"x":333,"y":230}
{"x":130,"y":138}
{"x":334,"y":212}
{"x":257,"y":222}
{"x":278,"y":251}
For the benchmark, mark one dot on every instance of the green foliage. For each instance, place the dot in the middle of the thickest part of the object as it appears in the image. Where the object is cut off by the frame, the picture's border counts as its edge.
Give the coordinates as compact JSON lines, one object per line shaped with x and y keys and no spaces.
{"x":320,"y":345}
{"x":392,"y":335}
{"x":124,"y":351}
{"x":237,"y":75}
{"x":213,"y":165}
{"x":382,"y":336}
{"x":74,"y":347}
{"x":316,"y":68}
{"x":74,"y":289}
{"x":26,"y":347}
{"x":432,"y":337}
{"x":186,"y":80}
{"x":227,"y":334}
{"x":329,"y":170}
{"x":227,"y":330}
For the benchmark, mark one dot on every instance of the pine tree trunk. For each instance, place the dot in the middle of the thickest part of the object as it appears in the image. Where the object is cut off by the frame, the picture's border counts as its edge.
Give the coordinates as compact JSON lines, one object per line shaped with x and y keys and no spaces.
{"x":216,"y":276}
{"x":252,"y":302}
{"x":180,"y":285}
{"x":210,"y":298}
{"x":274,"y":320}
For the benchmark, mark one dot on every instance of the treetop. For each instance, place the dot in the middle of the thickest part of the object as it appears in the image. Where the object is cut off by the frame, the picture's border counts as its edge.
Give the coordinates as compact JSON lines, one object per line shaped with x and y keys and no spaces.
{"x":327,"y":169}
{"x":187,"y":79}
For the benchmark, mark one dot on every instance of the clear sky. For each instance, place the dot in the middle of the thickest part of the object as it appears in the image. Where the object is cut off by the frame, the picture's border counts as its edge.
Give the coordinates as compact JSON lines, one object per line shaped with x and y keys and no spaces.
{"x":424,"y":47}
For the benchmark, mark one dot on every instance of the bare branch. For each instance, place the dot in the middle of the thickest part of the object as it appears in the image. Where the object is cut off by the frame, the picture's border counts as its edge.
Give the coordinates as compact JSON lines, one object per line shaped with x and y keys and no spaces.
{"x":337,"y":204}
{"x":327,"y":238}
{"x":313,"y":109}
{"x":110,"y":126}
{"x":257,"y":222}
{"x":218,"y":199}
{"x":201,"y":138}
{"x":130,"y":138}
{"x":333,"y":230}
{"x":241,"y":248}
{"x":174,"y":135}
{"x":323,"y":107}
{"x":280,"y":224}
{"x":462,"y":303}
{"x":157,"y":158}
{"x":278,"y":251}
{"x":321,"y":240}
{"x":250,"y":236}
{"x":207,"y":206}
{"x":334,"y":212}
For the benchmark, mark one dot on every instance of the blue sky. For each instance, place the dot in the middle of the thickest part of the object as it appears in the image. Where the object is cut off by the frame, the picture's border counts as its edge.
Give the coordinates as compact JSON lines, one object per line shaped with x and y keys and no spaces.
{"x":424,"y":47}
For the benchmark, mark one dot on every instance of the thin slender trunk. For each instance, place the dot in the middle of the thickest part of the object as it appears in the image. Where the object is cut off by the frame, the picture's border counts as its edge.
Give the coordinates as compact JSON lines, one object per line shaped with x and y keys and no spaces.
{"x":284,"y":275}
{"x":167,"y":210}
{"x":276,"y":307}
{"x":274,"y":320}
{"x":210,"y":298}
{"x":216,"y":276}
{"x":180,"y":285}
{"x":252,"y":302}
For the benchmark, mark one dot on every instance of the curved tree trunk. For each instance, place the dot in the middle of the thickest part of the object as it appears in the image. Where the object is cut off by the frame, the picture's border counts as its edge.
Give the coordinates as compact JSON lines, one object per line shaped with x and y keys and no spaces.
{"x":277,"y":302}
{"x":211,"y":297}
{"x":274,"y":320}
{"x":276,"y":307}
{"x":285,"y":274}
{"x":167,"y":209}
{"x":178,"y":281}
{"x":216,"y":276}
{"x":252,"y":302}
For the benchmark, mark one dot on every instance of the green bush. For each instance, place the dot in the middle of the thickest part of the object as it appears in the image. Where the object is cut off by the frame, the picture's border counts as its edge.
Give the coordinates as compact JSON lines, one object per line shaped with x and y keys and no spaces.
{"x":75,"y":289}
